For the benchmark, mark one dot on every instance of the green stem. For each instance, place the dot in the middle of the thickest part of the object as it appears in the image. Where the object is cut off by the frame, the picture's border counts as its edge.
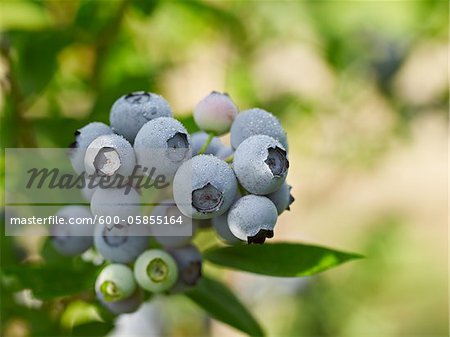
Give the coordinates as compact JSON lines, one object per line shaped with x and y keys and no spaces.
{"x":208,"y":141}
{"x":229,"y":159}
{"x":242,"y":190}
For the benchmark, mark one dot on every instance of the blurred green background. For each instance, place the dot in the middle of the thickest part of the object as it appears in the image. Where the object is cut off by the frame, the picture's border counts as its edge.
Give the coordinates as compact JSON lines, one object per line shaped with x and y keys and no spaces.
{"x":362,"y":88}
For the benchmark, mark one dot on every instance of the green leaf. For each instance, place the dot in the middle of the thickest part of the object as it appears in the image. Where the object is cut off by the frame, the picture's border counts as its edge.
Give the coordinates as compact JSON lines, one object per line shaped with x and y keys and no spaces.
{"x":219,"y":302}
{"x":50,"y":281}
{"x":37,"y":62}
{"x":279,"y":259}
{"x":92,"y":329}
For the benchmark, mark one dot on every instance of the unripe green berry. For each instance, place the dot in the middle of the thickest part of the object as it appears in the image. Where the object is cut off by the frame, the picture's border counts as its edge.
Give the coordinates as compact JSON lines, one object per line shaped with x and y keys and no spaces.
{"x":215,"y":113}
{"x":115,"y":282}
{"x":155,"y":270}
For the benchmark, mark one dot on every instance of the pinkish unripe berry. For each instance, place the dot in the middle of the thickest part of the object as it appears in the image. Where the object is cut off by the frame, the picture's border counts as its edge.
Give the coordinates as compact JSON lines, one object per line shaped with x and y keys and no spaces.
{"x":215,"y":113}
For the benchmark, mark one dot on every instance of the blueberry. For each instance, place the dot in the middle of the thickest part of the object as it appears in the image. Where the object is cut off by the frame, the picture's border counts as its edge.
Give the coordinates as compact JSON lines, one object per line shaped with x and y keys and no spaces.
{"x":155,"y":270}
{"x":130,"y":112}
{"x":261,"y":164}
{"x":127,"y":305}
{"x":162,"y":144}
{"x":220,"y":225}
{"x":256,"y":122}
{"x":115,"y":282}
{"x":200,"y":138}
{"x":116,"y":202}
{"x":121,"y":243}
{"x":84,"y":137}
{"x":170,"y":232}
{"x":224,"y":152}
{"x":189,"y":263}
{"x":252,"y":218}
{"x":73,"y":238}
{"x":108,"y":155}
{"x":282,"y":198}
{"x":88,"y":192}
{"x":215,"y":113}
{"x":204,"y":187}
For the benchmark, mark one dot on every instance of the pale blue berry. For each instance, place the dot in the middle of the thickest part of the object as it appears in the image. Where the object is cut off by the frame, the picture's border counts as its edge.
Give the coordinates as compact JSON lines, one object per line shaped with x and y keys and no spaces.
{"x":175,"y":229}
{"x":162,"y":144}
{"x":198,"y":139}
{"x":74,"y":236}
{"x":222,"y":229}
{"x":261,"y":164}
{"x":108,"y":155}
{"x":221,"y":226}
{"x":121,"y":243}
{"x":130,"y":112}
{"x":189,"y":263}
{"x":257,"y":122}
{"x":84,"y":137}
{"x":225,"y":152}
{"x":116,"y":202}
{"x":204,"y":187}
{"x":282,"y":198}
{"x":252,"y":218}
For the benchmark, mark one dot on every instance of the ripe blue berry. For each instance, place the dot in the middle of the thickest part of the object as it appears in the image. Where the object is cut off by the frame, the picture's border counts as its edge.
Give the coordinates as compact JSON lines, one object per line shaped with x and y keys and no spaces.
{"x":114,"y":283}
{"x":115,"y":202}
{"x":84,"y":137}
{"x":282,"y":198}
{"x":127,"y":305}
{"x":155,"y":270}
{"x":121,"y":243}
{"x":200,"y":138}
{"x":175,"y":229}
{"x":189,"y":263}
{"x":204,"y":187}
{"x":220,"y":225}
{"x":252,"y":218}
{"x":224,"y":152}
{"x":261,"y":164}
{"x":256,"y":122}
{"x":215,"y":113}
{"x":88,"y":192}
{"x":74,"y":236}
{"x":130,"y":112}
{"x":162,"y":144}
{"x":108,"y":155}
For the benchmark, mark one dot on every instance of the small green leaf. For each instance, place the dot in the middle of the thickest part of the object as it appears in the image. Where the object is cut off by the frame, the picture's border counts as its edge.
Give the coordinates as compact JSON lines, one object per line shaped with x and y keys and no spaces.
{"x":279,"y":259}
{"x":219,"y":302}
{"x":50,"y":281}
{"x":92,"y":329}
{"x":38,"y":57}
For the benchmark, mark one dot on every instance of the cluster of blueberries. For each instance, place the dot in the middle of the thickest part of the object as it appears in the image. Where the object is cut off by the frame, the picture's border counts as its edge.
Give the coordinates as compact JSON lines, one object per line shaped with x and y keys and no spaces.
{"x":238,"y":190}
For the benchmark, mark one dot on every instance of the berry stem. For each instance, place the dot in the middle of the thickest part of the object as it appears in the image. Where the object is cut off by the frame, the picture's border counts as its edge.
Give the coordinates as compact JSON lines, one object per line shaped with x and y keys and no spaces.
{"x":229,"y":159}
{"x":208,"y":141}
